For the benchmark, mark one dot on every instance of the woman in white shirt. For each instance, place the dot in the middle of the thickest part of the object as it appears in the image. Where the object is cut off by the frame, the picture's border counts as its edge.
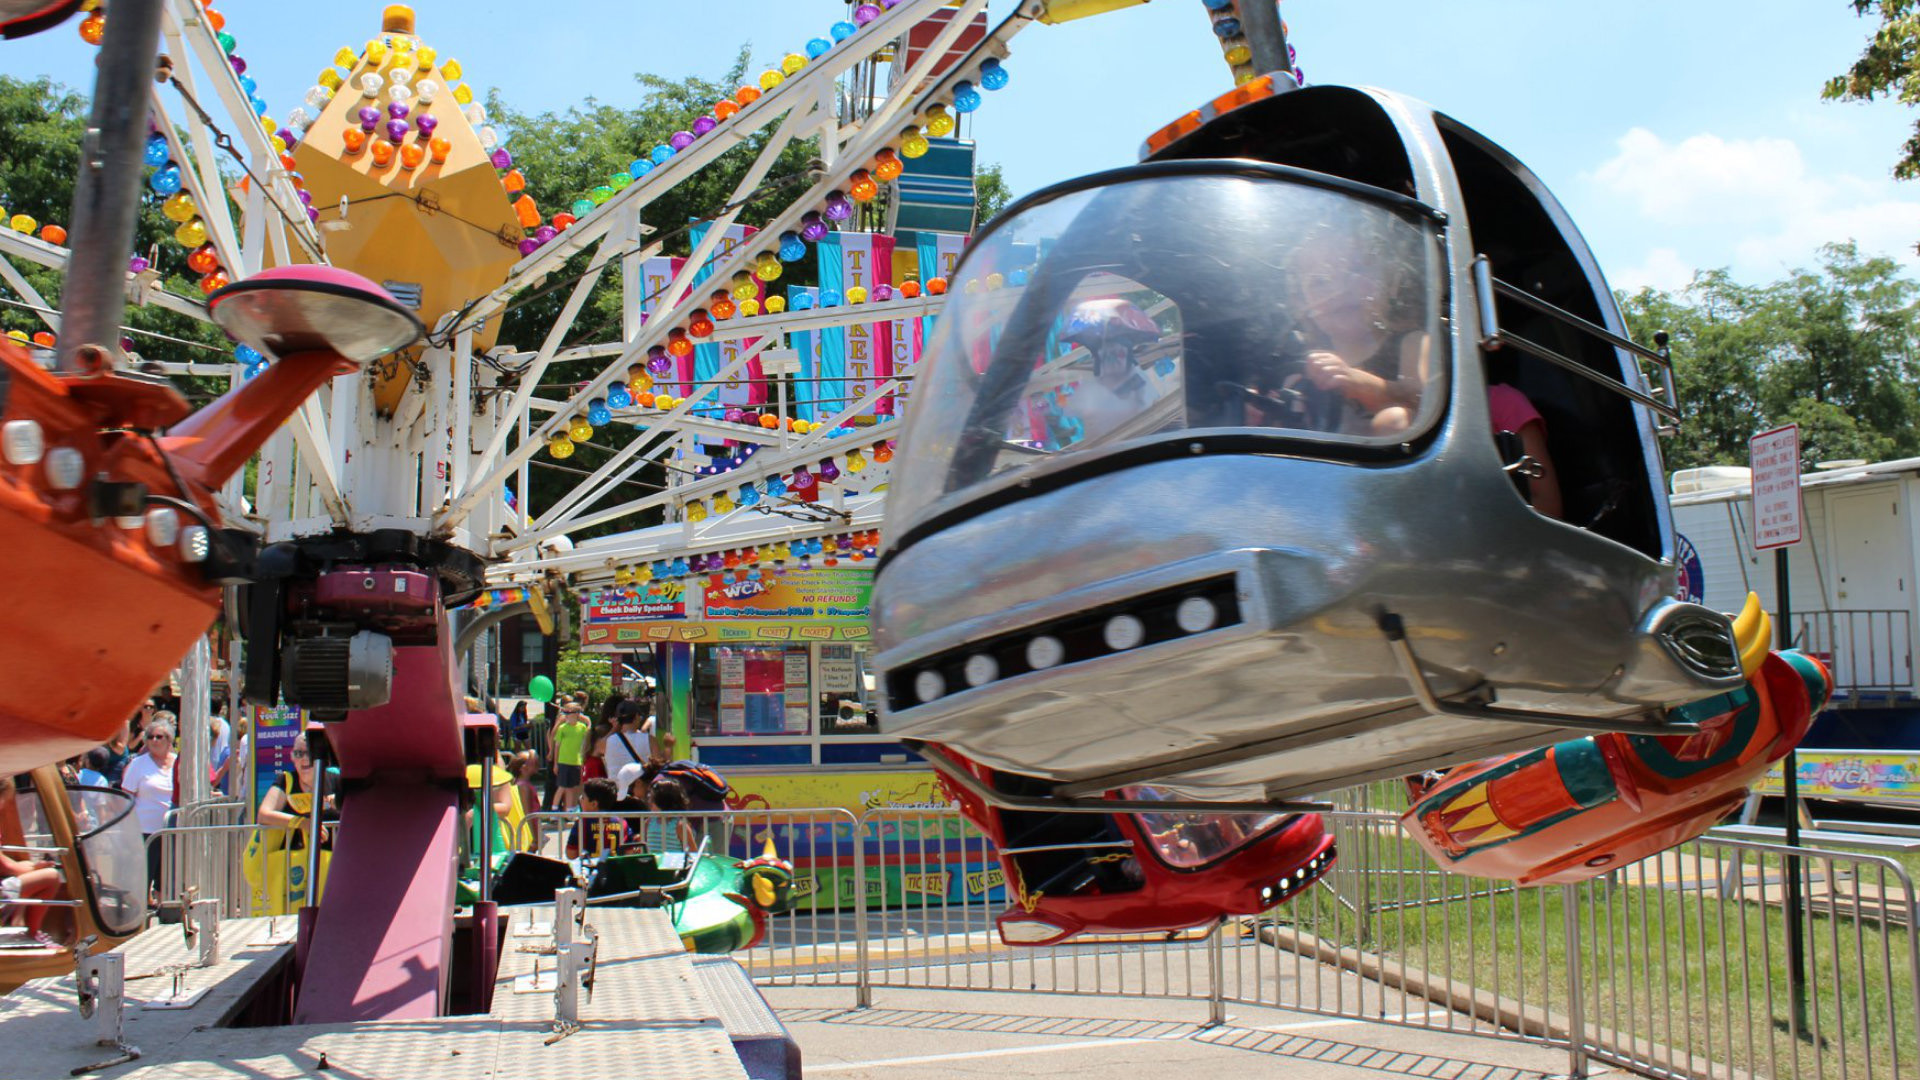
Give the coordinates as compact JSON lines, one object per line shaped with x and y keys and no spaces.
{"x":149,"y":779}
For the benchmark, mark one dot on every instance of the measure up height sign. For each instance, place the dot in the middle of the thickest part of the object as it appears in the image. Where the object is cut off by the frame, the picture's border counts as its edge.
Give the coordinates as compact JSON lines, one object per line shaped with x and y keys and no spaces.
{"x":1775,"y":457}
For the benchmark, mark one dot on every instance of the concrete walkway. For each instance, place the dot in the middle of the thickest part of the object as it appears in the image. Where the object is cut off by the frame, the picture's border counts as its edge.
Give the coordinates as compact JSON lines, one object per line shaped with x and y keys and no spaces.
{"x":948,"y":1035}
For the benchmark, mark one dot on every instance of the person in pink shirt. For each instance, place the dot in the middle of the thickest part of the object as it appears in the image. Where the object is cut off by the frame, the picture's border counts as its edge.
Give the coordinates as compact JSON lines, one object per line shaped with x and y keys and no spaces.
{"x":1511,"y":411}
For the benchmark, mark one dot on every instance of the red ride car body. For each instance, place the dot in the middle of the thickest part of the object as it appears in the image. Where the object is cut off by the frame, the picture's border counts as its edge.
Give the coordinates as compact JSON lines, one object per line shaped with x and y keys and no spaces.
{"x":1139,"y":873}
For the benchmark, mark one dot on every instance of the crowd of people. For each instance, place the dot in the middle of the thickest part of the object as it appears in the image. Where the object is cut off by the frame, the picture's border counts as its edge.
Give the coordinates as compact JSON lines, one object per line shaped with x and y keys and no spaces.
{"x":621,"y":764}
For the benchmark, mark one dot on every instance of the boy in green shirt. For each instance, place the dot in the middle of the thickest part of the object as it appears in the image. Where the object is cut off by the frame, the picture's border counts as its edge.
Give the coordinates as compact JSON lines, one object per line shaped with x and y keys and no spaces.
{"x":567,"y":748}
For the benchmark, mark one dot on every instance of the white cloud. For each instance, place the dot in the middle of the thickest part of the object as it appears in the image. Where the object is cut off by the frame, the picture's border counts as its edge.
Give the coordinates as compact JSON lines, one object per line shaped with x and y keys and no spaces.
{"x":1756,"y":205}
{"x":1662,"y":269}
{"x":1705,"y":175}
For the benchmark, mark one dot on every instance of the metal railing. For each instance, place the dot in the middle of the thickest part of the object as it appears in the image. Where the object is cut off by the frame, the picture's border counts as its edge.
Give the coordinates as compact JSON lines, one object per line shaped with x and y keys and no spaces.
{"x":251,"y":869}
{"x":822,"y":940}
{"x":1680,"y":966}
{"x":1870,"y":653}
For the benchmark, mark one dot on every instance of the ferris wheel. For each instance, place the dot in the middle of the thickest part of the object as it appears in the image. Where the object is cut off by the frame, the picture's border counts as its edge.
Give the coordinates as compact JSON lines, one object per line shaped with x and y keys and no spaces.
{"x":389,"y":167}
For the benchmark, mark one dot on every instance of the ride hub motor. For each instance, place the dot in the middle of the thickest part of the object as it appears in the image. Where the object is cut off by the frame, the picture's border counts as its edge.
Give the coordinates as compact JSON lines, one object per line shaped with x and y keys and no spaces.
{"x":339,"y":673}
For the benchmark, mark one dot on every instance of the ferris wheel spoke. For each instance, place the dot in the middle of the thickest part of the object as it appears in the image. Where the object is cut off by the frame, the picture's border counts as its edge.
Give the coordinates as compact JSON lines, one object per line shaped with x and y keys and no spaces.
{"x":188,"y":32}
{"x":812,"y":84}
{"x":606,"y":478}
{"x":31,"y":295}
{"x":917,"y":86}
{"x":201,"y":179}
{"x":485,"y":466}
{"x":309,"y":428}
{"x":874,"y":133}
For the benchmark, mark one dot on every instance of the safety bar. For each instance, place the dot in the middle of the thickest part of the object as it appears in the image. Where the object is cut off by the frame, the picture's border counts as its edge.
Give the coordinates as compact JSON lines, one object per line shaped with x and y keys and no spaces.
{"x":950,"y":769}
{"x":1493,"y":337}
{"x":686,"y":881}
{"x":1119,"y":845}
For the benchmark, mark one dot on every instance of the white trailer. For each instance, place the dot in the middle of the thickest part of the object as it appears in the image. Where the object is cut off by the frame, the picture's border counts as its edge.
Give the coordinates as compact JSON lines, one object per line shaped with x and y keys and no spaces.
{"x":1852,"y":579}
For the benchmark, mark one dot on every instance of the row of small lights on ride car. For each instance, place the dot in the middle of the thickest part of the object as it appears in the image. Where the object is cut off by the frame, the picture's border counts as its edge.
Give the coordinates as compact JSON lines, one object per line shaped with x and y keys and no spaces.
{"x":1122,"y":632}
{"x":23,"y":445}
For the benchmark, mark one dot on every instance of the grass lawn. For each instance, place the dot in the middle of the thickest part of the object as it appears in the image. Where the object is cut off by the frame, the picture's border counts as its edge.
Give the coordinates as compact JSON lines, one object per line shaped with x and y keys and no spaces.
{"x":1698,"y":978}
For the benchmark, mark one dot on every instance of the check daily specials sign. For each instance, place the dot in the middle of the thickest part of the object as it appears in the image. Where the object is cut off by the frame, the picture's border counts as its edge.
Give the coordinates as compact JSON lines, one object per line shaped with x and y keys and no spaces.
{"x":821,"y":604}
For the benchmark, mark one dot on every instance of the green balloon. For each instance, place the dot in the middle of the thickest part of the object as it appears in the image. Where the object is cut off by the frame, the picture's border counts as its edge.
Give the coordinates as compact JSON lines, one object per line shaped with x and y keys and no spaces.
{"x":541,"y":688}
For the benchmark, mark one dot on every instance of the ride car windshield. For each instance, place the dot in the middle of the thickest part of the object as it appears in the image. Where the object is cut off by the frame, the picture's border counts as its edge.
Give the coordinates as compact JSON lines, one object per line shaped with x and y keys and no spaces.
{"x":1192,"y":841}
{"x":1159,"y":306}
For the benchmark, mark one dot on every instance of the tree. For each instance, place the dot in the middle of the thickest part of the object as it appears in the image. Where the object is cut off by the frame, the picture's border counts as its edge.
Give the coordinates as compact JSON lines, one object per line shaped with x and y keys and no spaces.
{"x":41,"y":127}
{"x":1717,"y":355}
{"x":592,"y":672}
{"x":1832,"y":349}
{"x":566,"y":155}
{"x":1845,"y":337}
{"x":991,"y":193}
{"x":1890,"y":66}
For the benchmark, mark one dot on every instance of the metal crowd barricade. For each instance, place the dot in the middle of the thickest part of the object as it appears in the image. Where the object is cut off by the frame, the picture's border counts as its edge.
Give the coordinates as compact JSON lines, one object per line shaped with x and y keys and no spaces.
{"x":221,"y":862}
{"x":935,"y":889}
{"x":1684,"y":960}
{"x":1674,"y":967}
{"x":822,"y":940}
{"x":1392,"y":939}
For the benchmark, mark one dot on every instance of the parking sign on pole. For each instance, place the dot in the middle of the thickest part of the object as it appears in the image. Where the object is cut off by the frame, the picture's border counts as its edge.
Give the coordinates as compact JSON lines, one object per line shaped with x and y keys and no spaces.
{"x":1775,"y":457}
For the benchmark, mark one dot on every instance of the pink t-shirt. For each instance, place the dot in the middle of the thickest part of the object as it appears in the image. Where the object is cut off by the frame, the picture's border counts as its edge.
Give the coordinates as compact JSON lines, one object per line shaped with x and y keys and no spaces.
{"x":1510,"y":409}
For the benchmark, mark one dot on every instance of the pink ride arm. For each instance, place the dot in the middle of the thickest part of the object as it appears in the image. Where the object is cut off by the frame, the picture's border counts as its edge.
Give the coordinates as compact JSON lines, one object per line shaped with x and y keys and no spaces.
{"x":382,"y":946}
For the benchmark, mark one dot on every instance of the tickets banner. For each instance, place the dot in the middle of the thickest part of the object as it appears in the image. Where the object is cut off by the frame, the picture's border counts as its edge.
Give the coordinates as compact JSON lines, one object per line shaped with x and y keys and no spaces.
{"x":855,"y":358}
{"x":812,"y":386}
{"x":655,"y":275}
{"x":1852,"y":776}
{"x":820,"y":604}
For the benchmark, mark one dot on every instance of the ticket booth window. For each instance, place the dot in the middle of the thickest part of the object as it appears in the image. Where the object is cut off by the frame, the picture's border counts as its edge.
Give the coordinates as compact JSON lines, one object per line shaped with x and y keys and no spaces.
{"x":845,"y":682}
{"x":746,"y":691}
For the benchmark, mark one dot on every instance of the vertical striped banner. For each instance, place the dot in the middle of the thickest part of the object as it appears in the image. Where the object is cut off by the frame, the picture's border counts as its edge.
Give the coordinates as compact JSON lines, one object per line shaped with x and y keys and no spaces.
{"x":806,"y":343}
{"x":655,"y":275}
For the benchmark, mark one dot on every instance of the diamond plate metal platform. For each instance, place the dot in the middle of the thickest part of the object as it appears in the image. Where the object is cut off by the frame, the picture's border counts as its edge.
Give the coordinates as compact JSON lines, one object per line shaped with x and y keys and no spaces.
{"x":648,"y":1006}
{"x":765,"y":1047}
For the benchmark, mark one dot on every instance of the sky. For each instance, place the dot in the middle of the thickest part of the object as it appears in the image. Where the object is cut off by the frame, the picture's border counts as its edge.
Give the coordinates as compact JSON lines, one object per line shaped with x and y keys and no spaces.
{"x":1680,"y":136}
